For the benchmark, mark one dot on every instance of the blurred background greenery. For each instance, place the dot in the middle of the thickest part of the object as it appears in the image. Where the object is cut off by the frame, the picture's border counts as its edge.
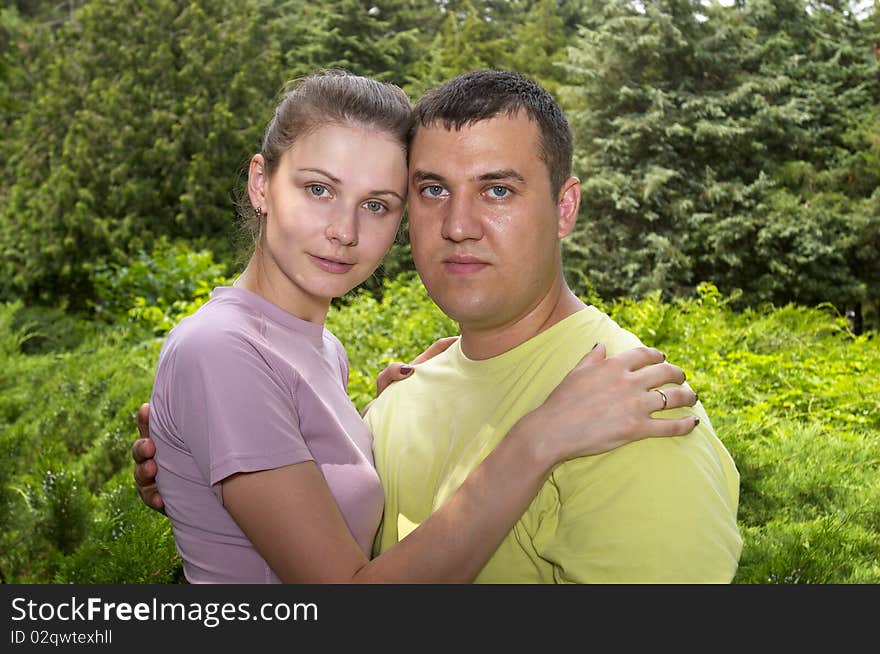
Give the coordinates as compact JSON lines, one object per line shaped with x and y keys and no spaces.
{"x":730,"y":159}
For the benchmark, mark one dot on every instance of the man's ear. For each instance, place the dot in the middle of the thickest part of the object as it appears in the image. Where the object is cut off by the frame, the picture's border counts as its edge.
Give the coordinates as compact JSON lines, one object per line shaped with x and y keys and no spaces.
{"x":567,"y":206}
{"x":256,"y":184}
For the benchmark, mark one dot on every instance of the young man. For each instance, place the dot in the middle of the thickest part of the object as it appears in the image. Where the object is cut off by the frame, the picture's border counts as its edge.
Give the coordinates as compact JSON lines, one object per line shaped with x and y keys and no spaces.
{"x":491,"y":197}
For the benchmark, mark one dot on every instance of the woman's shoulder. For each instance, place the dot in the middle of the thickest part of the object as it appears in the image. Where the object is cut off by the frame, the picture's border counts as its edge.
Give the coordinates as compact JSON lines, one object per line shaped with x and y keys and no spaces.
{"x":333,"y":342}
{"x":218,"y":325}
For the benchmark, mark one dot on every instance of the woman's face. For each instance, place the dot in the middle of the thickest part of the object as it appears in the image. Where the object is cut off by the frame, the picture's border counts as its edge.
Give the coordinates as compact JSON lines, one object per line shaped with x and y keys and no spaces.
{"x":333,"y":207}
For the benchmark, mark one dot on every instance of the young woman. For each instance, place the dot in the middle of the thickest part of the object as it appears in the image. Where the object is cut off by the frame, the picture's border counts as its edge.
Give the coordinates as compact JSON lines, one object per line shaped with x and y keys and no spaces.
{"x":265,"y":465}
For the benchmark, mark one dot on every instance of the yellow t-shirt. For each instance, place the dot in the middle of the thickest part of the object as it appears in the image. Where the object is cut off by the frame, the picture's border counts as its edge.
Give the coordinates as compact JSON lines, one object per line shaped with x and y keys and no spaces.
{"x":653,"y":511}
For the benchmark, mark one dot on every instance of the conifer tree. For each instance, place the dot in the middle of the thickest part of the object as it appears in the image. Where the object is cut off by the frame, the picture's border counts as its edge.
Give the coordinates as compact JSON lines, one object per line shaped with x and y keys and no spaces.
{"x":697,"y":126}
{"x":137,"y":127}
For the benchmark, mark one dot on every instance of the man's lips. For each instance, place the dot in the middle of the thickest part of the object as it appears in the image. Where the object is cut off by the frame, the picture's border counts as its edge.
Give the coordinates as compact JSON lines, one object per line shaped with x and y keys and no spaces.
{"x":464,"y":264}
{"x":331,"y":265}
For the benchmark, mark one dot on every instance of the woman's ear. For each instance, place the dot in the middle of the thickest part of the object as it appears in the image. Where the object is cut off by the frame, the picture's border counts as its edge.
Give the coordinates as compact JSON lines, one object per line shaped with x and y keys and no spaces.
{"x":567,"y":206}
{"x":256,"y":184}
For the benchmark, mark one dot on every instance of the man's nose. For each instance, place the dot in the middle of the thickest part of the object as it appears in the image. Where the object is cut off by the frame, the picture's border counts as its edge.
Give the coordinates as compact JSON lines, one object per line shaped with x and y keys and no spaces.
{"x":343,"y":227}
{"x":461,"y":221}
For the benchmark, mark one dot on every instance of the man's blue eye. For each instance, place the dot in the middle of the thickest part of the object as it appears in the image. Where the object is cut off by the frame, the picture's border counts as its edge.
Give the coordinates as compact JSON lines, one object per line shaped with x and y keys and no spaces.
{"x":434,"y":190}
{"x":500,"y":191}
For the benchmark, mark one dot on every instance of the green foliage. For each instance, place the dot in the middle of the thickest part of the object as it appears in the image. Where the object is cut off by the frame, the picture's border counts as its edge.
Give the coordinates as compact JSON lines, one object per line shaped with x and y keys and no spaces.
{"x":48,"y":329}
{"x":116,"y":146}
{"x":467,"y":40}
{"x":540,"y":41}
{"x":377,"y":39}
{"x":64,"y":508}
{"x":793,"y":395}
{"x":790,"y":392}
{"x":397,"y":327}
{"x":157,"y":289}
{"x":127,"y":543}
{"x":729,"y":143}
{"x":734,"y":143}
{"x":66,"y":425}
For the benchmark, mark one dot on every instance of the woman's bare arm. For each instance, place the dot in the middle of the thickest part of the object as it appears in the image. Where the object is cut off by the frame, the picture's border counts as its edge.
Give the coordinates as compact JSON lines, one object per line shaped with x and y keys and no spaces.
{"x":293,"y":520}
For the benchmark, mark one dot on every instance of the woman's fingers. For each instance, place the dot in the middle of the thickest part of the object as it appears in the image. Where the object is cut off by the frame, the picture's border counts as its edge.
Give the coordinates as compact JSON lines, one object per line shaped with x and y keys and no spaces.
{"x":143,"y":420}
{"x":659,"y":427}
{"x":670,"y":397}
{"x":639,"y":357}
{"x":438,"y":346}
{"x":396,"y":371}
{"x":648,"y":364}
{"x":654,"y":376}
{"x":393,"y":372}
{"x":606,"y":402}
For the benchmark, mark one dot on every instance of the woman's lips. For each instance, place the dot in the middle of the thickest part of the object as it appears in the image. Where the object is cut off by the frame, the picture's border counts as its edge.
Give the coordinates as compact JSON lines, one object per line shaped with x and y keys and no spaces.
{"x":331,"y":265}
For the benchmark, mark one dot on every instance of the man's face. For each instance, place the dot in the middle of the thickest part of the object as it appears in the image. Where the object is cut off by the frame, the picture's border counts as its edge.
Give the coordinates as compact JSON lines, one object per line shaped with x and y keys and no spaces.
{"x":484,"y":223}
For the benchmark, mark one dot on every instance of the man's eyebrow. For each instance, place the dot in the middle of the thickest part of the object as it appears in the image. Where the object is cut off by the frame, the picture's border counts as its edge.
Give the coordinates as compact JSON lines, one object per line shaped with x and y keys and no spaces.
{"x":422,"y":175}
{"x":506,"y":173}
{"x":492,"y":175}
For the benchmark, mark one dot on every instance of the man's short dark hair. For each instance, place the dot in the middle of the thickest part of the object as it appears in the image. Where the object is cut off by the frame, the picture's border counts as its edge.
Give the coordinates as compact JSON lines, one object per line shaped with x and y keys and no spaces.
{"x":484,"y":94}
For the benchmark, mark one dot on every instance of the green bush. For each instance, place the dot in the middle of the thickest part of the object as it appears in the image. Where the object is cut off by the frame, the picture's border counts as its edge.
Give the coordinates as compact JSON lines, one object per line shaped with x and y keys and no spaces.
{"x":790,"y":392}
{"x":793,"y":395}
{"x":397,"y":327}
{"x":67,"y":420}
{"x":127,"y":543}
{"x":157,"y":289}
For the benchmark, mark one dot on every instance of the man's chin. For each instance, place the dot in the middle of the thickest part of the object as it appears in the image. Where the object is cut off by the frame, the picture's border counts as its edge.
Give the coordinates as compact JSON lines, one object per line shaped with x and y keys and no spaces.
{"x":470,"y":311}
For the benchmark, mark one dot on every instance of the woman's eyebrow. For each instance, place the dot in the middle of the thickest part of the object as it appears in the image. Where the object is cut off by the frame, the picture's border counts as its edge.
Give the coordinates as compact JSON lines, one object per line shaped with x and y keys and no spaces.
{"x":388,"y":192}
{"x":336,"y":180}
{"x":333,"y":179}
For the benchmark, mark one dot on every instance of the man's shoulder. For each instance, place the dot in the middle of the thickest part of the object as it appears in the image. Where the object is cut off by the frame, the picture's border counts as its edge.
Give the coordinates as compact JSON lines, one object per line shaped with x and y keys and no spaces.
{"x":604,"y":329}
{"x":426,"y":378}
{"x":696,"y":463}
{"x":560,"y":347}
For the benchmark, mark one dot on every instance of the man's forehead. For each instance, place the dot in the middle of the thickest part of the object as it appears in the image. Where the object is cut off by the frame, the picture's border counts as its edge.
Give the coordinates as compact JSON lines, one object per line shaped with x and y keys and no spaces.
{"x":441,"y":129}
{"x":452,"y":127}
{"x":495,"y":130}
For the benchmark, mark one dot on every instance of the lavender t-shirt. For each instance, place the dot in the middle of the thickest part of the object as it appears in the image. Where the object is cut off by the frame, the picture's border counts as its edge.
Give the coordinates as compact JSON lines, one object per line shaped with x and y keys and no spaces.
{"x":241,"y":386}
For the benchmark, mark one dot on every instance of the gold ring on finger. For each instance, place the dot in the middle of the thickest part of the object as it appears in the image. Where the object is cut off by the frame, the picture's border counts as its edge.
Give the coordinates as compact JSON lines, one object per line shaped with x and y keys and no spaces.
{"x":665,"y":399}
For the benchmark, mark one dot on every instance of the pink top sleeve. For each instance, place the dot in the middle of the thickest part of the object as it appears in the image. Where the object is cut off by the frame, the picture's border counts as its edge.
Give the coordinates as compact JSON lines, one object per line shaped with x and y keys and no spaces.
{"x":238,"y":413}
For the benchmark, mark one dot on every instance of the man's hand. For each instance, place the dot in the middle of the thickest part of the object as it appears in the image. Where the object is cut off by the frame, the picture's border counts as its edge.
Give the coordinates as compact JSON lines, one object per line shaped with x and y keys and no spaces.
{"x":142,"y":451}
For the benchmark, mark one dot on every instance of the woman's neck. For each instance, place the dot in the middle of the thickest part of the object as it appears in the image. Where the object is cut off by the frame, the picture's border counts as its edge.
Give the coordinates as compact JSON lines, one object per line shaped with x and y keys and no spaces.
{"x":262,"y":277}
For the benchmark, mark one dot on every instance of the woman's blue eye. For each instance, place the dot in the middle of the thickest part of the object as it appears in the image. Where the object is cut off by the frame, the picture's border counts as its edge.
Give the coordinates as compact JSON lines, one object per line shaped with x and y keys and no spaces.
{"x":374,"y":206}
{"x":317,"y":190}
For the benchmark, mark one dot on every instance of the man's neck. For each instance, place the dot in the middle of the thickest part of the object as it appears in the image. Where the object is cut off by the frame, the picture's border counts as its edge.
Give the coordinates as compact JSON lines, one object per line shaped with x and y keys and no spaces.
{"x":485,"y":343}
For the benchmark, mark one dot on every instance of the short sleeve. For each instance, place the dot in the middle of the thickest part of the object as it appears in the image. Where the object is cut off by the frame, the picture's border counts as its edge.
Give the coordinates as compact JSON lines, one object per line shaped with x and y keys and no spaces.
{"x":234,"y":411}
{"x":342,"y":357}
{"x":655,"y":511}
